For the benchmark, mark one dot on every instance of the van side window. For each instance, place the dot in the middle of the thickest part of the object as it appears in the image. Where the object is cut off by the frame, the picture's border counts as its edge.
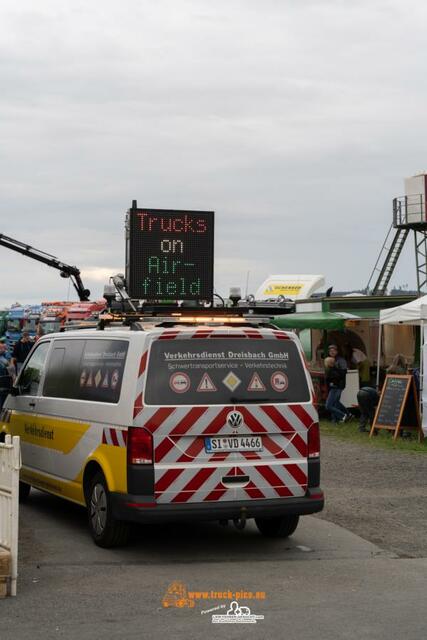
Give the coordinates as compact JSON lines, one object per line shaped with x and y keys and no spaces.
{"x":29,"y":380}
{"x":61,"y":377}
{"x":86,"y":370}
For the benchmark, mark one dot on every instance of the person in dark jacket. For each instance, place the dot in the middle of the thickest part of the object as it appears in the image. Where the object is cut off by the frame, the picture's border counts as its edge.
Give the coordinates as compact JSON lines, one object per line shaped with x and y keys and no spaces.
{"x":5,"y":377}
{"x":367,"y":399}
{"x":336,"y":372}
{"x":20,"y":350}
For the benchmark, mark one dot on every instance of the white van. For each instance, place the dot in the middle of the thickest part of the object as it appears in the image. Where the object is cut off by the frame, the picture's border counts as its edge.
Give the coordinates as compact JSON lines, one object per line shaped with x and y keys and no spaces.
{"x":194,"y":420}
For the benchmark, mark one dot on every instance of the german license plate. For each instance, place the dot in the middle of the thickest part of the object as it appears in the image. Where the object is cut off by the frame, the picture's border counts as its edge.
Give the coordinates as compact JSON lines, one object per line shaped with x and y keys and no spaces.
{"x":233,"y":443}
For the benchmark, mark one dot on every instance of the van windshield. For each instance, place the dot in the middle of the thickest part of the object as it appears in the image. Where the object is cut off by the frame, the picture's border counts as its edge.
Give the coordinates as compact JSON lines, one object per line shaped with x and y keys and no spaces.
{"x":225,"y":371}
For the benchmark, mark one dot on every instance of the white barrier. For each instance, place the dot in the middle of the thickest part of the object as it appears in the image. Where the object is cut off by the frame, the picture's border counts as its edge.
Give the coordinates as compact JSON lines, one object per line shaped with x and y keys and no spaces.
{"x":10,"y":464}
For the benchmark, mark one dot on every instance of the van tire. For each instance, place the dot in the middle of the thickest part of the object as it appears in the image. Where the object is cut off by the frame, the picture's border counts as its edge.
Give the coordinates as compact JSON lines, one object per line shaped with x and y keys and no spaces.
{"x":24,"y":491}
{"x":105,"y":529}
{"x":281,"y":527}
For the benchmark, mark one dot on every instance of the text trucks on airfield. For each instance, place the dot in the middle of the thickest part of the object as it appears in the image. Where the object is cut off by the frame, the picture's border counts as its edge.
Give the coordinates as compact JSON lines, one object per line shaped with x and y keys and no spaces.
{"x":169,"y":254}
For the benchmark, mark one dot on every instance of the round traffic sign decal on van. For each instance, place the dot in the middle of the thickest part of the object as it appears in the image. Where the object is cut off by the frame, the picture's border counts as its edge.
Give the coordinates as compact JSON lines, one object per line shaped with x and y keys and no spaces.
{"x":279,"y":381}
{"x":179,"y":382}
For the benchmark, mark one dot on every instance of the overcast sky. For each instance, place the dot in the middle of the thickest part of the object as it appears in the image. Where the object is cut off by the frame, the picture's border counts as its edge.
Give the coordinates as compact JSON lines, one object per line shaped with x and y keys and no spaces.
{"x":295,"y":120}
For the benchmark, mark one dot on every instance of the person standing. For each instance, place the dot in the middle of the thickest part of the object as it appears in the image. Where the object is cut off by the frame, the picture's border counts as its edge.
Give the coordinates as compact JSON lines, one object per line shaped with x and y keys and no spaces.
{"x":336,"y":372}
{"x":21,"y":350}
{"x":367,"y":399}
{"x":399,"y":366}
{"x":39,"y":331}
{"x":5,"y":377}
{"x":360,"y":360}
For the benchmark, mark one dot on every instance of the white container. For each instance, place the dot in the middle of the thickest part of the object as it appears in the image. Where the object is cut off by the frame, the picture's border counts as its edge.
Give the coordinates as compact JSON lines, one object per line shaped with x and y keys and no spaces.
{"x":415,"y":192}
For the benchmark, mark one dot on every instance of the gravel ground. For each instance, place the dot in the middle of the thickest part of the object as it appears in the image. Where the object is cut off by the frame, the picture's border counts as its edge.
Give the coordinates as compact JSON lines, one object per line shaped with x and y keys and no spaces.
{"x":378,"y":494}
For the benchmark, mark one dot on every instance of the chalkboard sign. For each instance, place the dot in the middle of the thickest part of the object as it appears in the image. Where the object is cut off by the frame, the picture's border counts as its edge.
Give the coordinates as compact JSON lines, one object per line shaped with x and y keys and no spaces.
{"x":169,"y":254}
{"x":398,"y":406}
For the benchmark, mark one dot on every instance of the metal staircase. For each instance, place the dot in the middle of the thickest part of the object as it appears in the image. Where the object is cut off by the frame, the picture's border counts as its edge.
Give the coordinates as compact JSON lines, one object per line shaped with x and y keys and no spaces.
{"x":387,"y":260}
{"x":409,"y":214}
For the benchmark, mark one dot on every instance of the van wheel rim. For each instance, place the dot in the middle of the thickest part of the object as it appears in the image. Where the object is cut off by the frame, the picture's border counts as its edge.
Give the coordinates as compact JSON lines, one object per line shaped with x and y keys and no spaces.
{"x":98,"y":509}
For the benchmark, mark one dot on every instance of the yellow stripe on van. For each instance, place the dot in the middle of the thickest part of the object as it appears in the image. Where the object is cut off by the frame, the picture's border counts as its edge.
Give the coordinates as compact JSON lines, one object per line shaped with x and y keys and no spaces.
{"x":112,"y":461}
{"x":52,"y":433}
{"x":64,"y":489}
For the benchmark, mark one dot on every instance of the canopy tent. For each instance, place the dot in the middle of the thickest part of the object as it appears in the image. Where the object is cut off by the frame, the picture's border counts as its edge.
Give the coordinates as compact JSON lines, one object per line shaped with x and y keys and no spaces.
{"x":412,"y":313}
{"x":327,"y":320}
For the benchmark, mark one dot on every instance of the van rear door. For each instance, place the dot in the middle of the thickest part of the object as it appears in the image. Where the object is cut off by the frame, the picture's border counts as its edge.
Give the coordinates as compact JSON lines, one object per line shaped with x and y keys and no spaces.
{"x":229,"y":414}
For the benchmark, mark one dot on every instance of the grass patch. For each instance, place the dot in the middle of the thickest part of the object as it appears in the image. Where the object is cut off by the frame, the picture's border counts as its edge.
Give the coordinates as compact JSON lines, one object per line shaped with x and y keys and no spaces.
{"x":349,"y":432}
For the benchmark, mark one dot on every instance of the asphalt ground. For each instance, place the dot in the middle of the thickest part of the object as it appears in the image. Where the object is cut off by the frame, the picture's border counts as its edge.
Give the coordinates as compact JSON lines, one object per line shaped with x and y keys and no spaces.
{"x":323,"y":581}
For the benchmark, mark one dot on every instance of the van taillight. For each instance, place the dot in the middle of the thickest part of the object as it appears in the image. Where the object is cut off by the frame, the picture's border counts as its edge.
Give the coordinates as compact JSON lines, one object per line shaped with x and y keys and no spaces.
{"x":139,"y":446}
{"x":314,"y":441}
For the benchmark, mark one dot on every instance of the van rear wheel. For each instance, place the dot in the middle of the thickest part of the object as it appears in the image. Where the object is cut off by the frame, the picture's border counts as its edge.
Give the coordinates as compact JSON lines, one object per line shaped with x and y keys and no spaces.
{"x":105,"y":529}
{"x":281,"y":527}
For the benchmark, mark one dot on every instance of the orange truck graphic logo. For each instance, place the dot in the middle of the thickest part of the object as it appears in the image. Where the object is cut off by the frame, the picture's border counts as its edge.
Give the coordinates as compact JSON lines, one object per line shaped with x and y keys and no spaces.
{"x":177,"y":596}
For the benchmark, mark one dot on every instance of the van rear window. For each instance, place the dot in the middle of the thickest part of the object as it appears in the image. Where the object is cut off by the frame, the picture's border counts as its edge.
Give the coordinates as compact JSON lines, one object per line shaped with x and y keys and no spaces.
{"x":225,"y":371}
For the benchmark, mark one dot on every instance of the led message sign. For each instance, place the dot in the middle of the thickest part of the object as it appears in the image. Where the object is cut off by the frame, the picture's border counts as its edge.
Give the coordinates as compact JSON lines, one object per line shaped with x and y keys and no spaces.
{"x":170,"y":254}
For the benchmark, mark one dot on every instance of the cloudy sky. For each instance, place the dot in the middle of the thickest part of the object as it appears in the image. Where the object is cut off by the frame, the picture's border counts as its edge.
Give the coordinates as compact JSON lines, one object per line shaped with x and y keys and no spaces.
{"x":295,"y":120}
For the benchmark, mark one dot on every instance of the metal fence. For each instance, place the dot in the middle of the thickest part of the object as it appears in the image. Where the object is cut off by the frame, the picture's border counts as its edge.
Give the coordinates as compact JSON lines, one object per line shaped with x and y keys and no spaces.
{"x":10,"y":464}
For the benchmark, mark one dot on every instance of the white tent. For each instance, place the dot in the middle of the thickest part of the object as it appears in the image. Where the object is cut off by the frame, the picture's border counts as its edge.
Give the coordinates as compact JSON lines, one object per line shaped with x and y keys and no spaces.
{"x":414,"y":313}
{"x":411,"y":313}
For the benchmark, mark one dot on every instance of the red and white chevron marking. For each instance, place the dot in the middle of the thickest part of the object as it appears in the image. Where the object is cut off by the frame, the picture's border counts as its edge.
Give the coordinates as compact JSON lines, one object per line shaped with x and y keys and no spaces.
{"x":139,"y":405}
{"x":176,"y":428}
{"x":114,"y":437}
{"x":280,"y":470}
{"x":266,"y":480}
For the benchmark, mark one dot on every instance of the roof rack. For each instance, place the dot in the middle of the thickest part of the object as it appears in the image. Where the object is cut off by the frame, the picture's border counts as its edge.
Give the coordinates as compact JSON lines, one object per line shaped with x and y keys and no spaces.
{"x":208,"y":317}
{"x":246,"y":312}
{"x":141,"y":322}
{"x":74,"y":326}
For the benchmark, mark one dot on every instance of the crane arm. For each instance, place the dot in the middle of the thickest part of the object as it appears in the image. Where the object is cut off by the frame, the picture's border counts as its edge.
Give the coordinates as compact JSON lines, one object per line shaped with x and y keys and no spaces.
{"x":66,"y":270}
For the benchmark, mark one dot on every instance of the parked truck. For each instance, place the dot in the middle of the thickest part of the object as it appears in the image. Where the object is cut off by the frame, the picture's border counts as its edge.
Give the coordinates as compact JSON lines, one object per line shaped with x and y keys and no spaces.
{"x":4,"y":313}
{"x":81,"y":311}
{"x":54,"y":316}
{"x":21,"y":318}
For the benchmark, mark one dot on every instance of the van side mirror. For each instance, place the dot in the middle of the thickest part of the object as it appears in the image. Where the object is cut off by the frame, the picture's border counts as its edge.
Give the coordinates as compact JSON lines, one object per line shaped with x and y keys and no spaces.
{"x":14,"y":391}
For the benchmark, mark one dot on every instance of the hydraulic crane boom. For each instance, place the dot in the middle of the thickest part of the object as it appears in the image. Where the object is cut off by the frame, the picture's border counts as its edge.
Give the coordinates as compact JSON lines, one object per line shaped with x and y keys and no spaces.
{"x":66,"y":270}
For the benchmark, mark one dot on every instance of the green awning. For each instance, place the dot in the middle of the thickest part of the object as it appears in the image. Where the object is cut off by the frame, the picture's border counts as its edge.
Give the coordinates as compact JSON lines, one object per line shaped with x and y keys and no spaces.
{"x":364,"y":314}
{"x":316,"y":320}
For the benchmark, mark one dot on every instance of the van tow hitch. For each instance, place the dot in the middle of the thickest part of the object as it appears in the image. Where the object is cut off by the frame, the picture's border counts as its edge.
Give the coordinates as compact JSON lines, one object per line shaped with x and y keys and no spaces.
{"x":240,"y":523}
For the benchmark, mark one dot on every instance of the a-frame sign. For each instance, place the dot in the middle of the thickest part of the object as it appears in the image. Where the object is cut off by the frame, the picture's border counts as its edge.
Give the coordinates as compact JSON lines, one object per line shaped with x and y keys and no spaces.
{"x":398,"y":407}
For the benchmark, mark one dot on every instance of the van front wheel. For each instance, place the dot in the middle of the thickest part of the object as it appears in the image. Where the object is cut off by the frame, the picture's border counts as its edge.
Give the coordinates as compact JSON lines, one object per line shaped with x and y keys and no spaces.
{"x":281,"y":527}
{"x":105,"y":529}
